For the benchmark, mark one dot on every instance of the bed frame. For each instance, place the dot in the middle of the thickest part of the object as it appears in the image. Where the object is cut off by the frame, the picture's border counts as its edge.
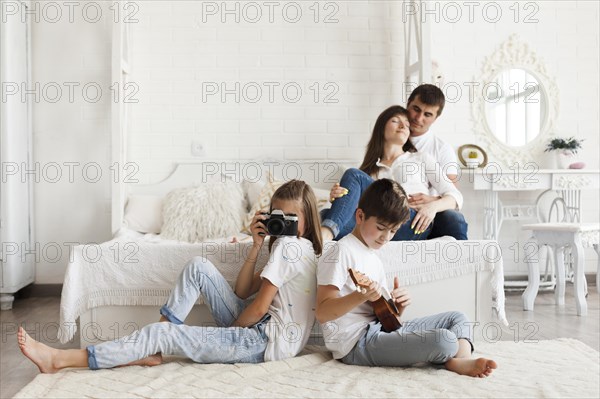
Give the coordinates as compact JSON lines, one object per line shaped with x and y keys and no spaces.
{"x":470,"y":292}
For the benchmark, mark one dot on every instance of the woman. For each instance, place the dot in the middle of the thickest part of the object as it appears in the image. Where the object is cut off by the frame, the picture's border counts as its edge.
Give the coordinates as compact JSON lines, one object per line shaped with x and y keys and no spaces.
{"x":390,"y":154}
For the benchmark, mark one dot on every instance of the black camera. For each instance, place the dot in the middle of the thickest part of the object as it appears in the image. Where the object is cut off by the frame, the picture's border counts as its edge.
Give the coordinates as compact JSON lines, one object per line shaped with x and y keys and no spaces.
{"x":280,"y":224}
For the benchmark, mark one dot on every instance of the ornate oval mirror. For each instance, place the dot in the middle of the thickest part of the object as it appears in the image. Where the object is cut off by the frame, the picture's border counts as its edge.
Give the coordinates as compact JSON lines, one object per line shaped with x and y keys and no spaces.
{"x":517,"y":103}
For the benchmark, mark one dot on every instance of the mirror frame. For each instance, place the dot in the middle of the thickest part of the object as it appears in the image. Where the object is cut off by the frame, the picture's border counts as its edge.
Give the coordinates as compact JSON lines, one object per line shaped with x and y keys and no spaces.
{"x":511,"y":54}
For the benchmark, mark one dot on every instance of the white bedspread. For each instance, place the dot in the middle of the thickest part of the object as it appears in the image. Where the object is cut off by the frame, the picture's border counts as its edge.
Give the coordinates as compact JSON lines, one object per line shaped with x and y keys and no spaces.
{"x":133,"y":270}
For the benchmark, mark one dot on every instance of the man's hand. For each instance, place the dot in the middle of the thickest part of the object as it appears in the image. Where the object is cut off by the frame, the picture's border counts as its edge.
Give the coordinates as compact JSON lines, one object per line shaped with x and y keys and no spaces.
{"x":415,"y":200}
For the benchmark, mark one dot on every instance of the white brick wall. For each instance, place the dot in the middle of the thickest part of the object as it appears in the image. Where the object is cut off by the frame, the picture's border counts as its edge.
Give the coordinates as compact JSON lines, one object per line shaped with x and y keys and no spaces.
{"x":362,"y":54}
{"x":174,"y":52}
{"x":352,"y":53}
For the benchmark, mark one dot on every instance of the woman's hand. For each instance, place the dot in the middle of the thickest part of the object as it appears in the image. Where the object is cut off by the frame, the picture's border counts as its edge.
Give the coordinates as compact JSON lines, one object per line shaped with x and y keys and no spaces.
{"x":424,"y":217}
{"x":258,"y":229}
{"x":337,"y":191}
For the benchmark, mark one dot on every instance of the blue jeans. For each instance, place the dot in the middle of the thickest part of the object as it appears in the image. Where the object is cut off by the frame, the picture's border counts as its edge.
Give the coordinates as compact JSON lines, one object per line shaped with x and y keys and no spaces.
{"x":449,"y":223}
{"x":221,"y":344}
{"x":432,"y":339}
{"x":341,"y":221}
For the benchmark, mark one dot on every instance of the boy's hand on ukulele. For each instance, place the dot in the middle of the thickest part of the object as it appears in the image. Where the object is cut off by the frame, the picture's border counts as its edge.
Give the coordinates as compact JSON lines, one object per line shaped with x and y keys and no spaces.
{"x":400,"y":295}
{"x":372,"y":292}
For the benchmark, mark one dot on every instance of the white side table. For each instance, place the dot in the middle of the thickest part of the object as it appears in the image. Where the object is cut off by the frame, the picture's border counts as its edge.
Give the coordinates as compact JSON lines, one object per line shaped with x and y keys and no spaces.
{"x":558,"y":236}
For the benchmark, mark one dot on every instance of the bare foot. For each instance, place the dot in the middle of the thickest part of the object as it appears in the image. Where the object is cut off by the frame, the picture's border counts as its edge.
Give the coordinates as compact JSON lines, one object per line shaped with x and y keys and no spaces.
{"x":481,"y":367}
{"x":153,"y":360}
{"x":42,"y":355}
{"x":326,"y":233}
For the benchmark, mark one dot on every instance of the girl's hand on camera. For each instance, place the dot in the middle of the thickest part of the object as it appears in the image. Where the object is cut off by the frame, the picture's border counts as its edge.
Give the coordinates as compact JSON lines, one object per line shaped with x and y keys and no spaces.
{"x":258,"y":229}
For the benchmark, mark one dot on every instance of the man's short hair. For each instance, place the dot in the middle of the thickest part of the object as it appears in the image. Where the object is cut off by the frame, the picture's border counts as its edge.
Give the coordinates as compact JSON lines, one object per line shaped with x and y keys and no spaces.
{"x":386,"y":200}
{"x":429,"y":94}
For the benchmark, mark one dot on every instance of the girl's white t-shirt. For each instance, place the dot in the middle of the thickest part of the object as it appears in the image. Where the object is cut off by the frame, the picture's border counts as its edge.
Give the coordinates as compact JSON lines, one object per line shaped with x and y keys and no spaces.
{"x":341,"y":334}
{"x":292,"y":269}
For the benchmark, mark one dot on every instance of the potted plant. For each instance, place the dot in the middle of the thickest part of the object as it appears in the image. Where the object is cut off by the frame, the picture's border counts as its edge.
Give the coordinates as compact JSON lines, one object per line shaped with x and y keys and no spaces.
{"x":472,"y":159}
{"x":565,"y":150}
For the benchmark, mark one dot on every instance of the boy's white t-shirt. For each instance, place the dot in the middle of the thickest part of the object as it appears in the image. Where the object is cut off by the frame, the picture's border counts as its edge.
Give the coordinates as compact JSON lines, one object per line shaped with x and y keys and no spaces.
{"x":292,"y":269}
{"x":342,"y":333}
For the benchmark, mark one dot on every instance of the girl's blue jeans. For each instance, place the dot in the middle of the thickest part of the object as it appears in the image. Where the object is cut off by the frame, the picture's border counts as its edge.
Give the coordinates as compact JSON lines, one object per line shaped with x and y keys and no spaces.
{"x":213,"y":344}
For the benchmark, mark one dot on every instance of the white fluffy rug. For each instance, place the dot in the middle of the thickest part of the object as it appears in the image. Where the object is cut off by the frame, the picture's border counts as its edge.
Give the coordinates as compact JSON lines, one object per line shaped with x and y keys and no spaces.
{"x":556,"y":368}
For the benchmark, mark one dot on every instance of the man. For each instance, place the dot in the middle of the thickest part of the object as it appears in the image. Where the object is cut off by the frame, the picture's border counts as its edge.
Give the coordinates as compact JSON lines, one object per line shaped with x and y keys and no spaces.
{"x":425,"y":105}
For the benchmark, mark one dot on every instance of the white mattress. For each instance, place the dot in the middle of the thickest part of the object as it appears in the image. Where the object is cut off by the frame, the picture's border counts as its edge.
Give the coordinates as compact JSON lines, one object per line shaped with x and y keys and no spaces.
{"x":135,"y":269}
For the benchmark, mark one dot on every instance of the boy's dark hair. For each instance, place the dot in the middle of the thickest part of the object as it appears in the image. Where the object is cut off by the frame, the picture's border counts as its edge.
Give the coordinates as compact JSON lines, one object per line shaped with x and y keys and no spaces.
{"x":386,"y":200}
{"x":429,"y":94}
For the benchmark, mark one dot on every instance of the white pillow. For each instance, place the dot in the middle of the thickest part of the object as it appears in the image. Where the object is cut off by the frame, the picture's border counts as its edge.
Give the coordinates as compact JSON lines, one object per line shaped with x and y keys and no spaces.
{"x":143,"y":213}
{"x":253,"y":190}
{"x":211,"y":210}
{"x":322,"y":198}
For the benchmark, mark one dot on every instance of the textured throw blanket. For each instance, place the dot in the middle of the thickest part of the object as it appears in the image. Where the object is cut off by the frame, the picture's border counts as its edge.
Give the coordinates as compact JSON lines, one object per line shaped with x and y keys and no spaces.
{"x":131,"y":272}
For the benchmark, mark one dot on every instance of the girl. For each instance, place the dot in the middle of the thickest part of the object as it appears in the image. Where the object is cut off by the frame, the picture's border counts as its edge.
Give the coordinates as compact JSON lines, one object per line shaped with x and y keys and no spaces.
{"x":390,"y":154}
{"x":275,"y":325}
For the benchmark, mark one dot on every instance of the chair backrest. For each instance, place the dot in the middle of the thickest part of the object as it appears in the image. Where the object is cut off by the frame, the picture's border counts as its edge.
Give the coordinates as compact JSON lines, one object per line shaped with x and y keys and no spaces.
{"x":556,"y":212}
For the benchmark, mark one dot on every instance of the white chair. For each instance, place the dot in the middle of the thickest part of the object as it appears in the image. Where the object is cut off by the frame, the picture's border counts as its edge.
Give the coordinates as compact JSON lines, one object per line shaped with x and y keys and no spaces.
{"x":558,"y":236}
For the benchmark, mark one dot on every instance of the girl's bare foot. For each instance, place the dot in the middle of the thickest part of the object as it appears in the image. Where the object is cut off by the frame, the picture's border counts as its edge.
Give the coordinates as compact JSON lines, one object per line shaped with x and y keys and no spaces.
{"x":481,"y":367}
{"x":41,"y":355}
{"x":153,"y":360}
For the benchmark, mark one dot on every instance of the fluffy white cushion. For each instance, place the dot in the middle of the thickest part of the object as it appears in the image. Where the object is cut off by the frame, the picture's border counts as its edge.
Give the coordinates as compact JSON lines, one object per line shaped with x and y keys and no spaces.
{"x":211,"y":210}
{"x":322,"y":198}
{"x":143,"y":213}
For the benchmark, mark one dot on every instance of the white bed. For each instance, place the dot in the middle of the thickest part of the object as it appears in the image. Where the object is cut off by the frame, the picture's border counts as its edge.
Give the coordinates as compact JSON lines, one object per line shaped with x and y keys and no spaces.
{"x":116,"y":287}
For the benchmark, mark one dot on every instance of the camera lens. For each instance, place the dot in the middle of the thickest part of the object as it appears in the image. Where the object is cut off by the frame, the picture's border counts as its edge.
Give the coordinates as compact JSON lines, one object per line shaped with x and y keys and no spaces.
{"x":275,"y":227}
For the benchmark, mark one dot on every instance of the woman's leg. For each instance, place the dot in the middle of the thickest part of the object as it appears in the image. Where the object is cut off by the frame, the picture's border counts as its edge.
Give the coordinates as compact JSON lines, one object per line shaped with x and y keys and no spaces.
{"x":200,"y":277}
{"x":449,"y":223}
{"x":406,"y":233}
{"x":201,"y":344}
{"x":340,"y":217}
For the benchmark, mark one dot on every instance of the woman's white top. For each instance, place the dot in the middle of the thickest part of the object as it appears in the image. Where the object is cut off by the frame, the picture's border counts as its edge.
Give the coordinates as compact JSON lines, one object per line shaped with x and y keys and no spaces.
{"x":417,"y":172}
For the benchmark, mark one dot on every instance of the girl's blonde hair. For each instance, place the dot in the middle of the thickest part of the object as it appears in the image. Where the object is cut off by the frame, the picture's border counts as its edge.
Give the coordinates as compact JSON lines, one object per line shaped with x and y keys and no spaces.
{"x":297,"y":190}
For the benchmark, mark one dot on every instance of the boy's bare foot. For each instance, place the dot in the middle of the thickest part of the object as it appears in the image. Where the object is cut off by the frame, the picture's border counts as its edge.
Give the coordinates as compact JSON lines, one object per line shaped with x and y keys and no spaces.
{"x":153,"y":360}
{"x":481,"y":367}
{"x":42,"y":355}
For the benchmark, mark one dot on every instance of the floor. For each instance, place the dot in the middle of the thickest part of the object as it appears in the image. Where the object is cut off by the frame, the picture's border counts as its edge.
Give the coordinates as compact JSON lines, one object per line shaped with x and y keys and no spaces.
{"x":39,"y":317}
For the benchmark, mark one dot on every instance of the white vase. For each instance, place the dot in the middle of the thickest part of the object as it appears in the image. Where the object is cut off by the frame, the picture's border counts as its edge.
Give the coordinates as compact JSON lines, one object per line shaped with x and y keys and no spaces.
{"x":564,"y":159}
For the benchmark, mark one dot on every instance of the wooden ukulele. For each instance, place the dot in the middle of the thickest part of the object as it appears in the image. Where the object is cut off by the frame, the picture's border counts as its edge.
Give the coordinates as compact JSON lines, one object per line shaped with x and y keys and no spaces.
{"x":385,"y":309}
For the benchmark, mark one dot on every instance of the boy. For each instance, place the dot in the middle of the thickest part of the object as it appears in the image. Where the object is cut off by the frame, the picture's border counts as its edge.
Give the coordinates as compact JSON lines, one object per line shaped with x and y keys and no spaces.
{"x":351,"y":330}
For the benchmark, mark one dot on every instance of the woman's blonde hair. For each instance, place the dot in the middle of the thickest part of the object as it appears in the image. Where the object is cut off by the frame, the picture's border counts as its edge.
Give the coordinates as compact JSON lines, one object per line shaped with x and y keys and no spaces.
{"x":297,"y":190}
